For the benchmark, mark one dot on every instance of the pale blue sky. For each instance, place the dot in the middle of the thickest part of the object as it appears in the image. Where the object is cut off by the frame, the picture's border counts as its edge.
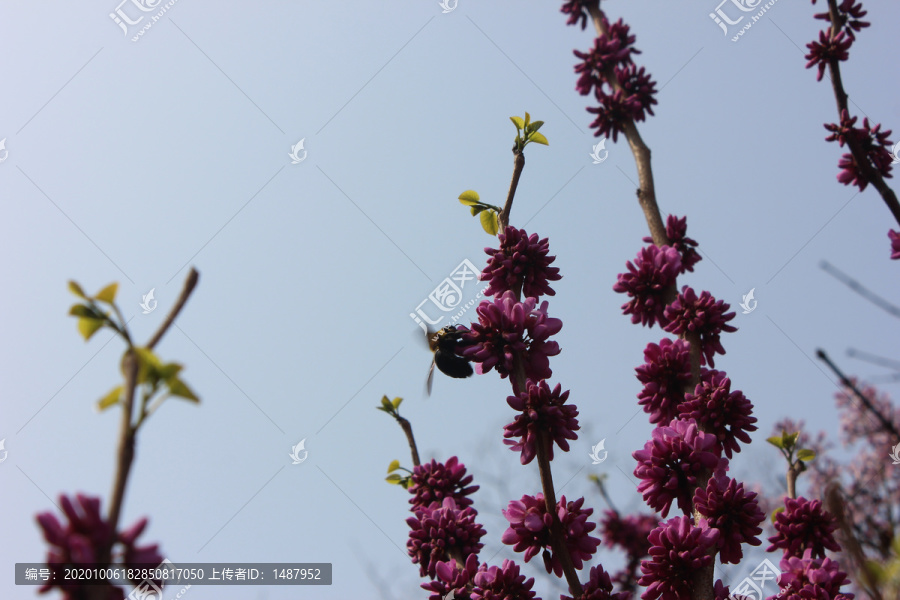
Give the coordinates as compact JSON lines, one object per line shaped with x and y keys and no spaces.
{"x":130,"y":162}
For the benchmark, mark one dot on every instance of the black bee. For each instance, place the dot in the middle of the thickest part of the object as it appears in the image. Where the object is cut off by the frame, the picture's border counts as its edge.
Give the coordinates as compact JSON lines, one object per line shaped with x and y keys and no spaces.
{"x":446,"y":344}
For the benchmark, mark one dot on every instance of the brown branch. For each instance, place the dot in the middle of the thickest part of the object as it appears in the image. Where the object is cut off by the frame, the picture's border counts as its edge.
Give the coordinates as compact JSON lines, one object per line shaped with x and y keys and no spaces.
{"x":518,"y":382}
{"x":518,"y":165}
{"x":703,"y":578}
{"x":128,"y":431}
{"x":126,"y":451}
{"x":557,"y":535}
{"x":407,"y":429}
{"x":189,"y":285}
{"x":869,"y":172}
{"x":793,"y":472}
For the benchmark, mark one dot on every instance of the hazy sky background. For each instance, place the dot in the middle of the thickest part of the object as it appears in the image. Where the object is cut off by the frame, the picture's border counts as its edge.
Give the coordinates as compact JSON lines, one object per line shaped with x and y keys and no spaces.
{"x":132,"y":161}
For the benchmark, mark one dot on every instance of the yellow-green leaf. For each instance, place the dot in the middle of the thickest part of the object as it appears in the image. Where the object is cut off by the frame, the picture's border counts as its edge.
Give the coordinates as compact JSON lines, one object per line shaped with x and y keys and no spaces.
{"x":108,"y":294}
{"x":469,"y":198}
{"x":76,"y":289}
{"x":386,"y":404}
{"x":396,"y":402}
{"x":775,"y":512}
{"x":88,"y":326}
{"x":112,"y":398}
{"x":527,"y":119}
{"x":536,"y":125}
{"x":394,"y":479}
{"x":179,"y":388}
{"x":395,"y":464}
{"x":538,"y":138}
{"x":489,"y":222}
{"x":518,"y":122}
{"x":169,"y":370}
{"x":148,"y":366}
{"x":806,"y":454}
{"x":776,"y":441}
{"x":82,"y":310}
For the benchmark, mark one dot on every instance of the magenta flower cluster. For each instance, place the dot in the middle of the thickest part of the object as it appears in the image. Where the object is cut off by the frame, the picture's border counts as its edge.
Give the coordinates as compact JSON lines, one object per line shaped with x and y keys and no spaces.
{"x":702,"y":316}
{"x":803,"y":526}
{"x":809,"y":577}
{"x":442,"y":530}
{"x":676,"y":231}
{"x":444,"y":538}
{"x":872,"y":143}
{"x":521,"y":262}
{"x":598,"y":587}
{"x":530,"y":527}
{"x":625,"y":93}
{"x":672,"y":463}
{"x":508,"y":330}
{"x":432,"y":482}
{"x":647,"y":284}
{"x":678,"y":550}
{"x":732,"y":511}
{"x":724,"y":413}
{"x":650,"y":284}
{"x":85,"y":538}
{"x":666,"y":372}
{"x":540,"y":410}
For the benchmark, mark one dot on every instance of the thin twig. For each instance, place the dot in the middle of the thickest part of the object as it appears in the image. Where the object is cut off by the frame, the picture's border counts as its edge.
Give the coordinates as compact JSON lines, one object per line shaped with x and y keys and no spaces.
{"x":518,"y":165}
{"x":603,"y":492}
{"x":857,"y":287}
{"x":189,"y":285}
{"x":881,"y":361}
{"x":885,"y":424}
{"x":407,"y":429}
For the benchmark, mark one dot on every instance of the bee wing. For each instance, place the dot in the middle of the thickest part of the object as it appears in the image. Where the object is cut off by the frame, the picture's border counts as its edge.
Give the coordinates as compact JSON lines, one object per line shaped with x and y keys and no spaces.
{"x":430,"y":380}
